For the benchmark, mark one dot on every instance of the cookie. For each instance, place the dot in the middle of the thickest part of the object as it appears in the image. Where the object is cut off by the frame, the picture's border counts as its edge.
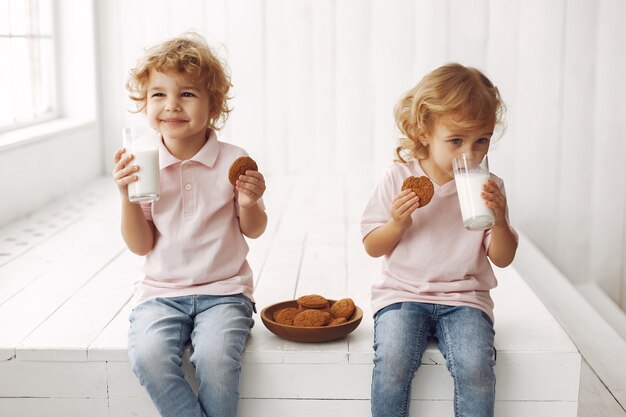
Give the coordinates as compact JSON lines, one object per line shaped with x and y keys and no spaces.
{"x":312,"y":301}
{"x":343,"y":308}
{"x":239,"y":167}
{"x":422,"y":186}
{"x":285,"y":316}
{"x":312,"y":318}
{"x":326,"y":309}
{"x":337,"y":321}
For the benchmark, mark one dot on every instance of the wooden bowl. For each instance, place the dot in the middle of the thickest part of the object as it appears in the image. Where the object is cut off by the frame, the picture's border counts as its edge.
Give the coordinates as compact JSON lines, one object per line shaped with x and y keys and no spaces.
{"x":308,"y":334}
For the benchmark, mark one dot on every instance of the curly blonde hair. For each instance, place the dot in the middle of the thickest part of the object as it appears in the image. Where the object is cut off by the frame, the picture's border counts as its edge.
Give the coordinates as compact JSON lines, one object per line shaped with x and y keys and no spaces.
{"x":189,"y":54}
{"x":464,"y":93}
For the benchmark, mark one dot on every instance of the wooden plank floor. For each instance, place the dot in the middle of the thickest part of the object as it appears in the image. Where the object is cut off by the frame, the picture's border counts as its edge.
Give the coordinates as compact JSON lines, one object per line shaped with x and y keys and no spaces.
{"x":313,"y":233}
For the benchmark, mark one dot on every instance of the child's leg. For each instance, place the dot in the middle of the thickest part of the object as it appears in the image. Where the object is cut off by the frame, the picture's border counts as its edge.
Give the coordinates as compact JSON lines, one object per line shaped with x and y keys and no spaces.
{"x":221,"y":330}
{"x":400,"y":338}
{"x":158,"y":334}
{"x":465,"y":337}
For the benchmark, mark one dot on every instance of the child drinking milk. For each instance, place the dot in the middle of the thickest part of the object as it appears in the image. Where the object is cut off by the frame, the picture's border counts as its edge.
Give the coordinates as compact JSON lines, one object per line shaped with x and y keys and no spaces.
{"x":436,"y":274}
{"x":198,"y":284}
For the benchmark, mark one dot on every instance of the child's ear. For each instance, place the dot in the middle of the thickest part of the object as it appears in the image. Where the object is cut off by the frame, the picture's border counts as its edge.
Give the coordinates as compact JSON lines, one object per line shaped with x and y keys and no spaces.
{"x":423,"y":139}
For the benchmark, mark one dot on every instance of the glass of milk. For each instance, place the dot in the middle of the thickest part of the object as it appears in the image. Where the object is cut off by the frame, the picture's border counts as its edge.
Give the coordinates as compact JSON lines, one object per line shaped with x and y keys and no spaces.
{"x":470,"y":175}
{"x":142,"y":142}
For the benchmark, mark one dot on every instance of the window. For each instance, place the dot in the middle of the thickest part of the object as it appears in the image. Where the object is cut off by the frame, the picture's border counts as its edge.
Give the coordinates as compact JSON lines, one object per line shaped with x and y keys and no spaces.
{"x":27,"y":72}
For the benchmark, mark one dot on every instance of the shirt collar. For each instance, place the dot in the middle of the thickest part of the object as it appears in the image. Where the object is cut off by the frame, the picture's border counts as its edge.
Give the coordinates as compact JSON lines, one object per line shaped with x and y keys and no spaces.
{"x":207,"y":155}
{"x":441,"y":190}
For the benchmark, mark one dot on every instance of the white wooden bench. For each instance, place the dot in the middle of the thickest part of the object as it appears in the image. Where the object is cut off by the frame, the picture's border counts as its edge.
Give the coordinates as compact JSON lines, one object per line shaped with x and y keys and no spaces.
{"x":66,"y":278}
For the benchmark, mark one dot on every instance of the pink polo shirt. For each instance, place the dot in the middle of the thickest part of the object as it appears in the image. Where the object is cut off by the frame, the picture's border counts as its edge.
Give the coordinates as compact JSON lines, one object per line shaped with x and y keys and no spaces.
{"x":437,"y":260}
{"x":199,"y":247}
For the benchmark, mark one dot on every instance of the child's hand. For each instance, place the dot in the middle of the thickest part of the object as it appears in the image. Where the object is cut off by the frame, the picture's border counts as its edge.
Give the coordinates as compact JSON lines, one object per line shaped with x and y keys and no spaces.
{"x":251,"y":187}
{"x":403,"y":205}
{"x":123,"y":173}
{"x":495,"y":200}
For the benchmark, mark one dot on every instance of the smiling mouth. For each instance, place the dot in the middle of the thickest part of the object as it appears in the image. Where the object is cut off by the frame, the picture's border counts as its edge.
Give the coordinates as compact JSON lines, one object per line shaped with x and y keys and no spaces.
{"x":173,"y":121}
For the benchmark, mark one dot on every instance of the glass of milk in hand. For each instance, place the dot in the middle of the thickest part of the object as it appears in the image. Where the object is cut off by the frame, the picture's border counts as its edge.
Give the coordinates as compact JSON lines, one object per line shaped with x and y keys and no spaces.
{"x":142,"y":142}
{"x":470,"y":175}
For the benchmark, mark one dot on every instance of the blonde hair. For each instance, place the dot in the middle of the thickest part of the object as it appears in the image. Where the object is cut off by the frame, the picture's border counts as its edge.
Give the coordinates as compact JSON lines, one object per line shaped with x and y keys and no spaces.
{"x":464,"y":94}
{"x":189,"y":54}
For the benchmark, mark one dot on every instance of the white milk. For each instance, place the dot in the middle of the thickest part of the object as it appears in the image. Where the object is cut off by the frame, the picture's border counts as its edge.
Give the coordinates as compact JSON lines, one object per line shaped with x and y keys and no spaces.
{"x":476,"y":214}
{"x":147,"y":187}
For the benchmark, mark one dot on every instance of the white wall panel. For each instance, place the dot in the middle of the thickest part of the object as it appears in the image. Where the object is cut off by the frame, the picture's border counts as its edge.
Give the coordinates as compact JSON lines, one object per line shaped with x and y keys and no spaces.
{"x":575,"y":163}
{"x":501,"y":66}
{"x":323,"y":119}
{"x":132,"y":41}
{"x":111,"y":85}
{"x":393,"y":37}
{"x":275,"y":99}
{"x":538,"y":116}
{"x":609,"y":145}
{"x":215,"y":12}
{"x":187,"y":15}
{"x":432,"y":25}
{"x":245,"y":55}
{"x":353,"y":90}
{"x":298,"y":83}
{"x":156,"y":20}
{"x":468,"y":32}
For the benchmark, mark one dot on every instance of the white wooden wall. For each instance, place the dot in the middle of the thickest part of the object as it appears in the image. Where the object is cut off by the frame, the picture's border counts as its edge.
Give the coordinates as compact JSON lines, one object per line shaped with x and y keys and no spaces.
{"x":316,"y":82}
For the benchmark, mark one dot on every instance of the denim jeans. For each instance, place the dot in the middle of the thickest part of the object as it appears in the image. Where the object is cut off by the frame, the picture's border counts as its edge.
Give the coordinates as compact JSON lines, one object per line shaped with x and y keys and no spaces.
{"x":465,"y":336}
{"x":218,"y":327}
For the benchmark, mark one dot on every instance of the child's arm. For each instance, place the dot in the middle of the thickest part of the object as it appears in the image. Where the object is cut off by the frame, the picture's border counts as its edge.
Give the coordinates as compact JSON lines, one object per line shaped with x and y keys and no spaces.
{"x":503,"y":242}
{"x":383,"y":239}
{"x":138,"y":233}
{"x":252,"y":218}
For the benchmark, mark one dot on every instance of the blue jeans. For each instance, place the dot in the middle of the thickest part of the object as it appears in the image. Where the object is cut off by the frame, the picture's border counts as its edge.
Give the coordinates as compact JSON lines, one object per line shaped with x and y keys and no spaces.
{"x":465,"y":336}
{"x":218,"y":327}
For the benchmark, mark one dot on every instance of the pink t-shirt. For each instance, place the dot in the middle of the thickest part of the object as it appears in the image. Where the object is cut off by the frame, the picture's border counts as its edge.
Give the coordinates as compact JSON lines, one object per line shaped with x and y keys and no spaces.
{"x":199,"y":248}
{"x":437,"y":260}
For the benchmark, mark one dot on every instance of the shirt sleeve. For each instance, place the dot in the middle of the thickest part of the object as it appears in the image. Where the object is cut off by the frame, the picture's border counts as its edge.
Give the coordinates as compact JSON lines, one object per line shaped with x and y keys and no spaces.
{"x":377,"y":211}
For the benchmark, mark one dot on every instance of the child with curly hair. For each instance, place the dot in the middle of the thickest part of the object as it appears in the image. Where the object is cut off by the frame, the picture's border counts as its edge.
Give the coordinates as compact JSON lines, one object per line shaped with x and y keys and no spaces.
{"x":436,"y":274}
{"x":198,"y":285}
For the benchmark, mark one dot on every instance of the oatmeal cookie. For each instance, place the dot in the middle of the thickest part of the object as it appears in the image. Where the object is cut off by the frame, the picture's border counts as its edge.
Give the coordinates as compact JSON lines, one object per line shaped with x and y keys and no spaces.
{"x":239,"y":167}
{"x":312,"y":301}
{"x":337,"y":321}
{"x":285,"y":316}
{"x":343,"y":308}
{"x":422,"y":186}
{"x":312,"y":318}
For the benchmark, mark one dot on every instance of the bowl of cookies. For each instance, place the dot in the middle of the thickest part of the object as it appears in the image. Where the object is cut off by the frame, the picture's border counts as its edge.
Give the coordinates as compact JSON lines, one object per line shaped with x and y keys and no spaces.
{"x":312,"y":318}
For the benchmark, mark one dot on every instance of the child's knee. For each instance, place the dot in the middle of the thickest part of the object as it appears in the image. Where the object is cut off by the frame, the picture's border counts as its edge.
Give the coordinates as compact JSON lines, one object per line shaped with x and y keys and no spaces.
{"x":217,"y":358}
{"x":475,"y":369}
{"x":148,"y":357}
{"x":395,"y":363}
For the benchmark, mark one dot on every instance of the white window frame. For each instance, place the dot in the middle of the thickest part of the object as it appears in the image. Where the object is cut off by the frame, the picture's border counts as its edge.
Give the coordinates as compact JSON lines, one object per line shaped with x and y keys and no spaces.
{"x":51,"y":111}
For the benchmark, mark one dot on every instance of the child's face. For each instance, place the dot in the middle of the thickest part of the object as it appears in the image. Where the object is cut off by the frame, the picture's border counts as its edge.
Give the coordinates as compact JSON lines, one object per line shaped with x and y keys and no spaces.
{"x":176,"y":106}
{"x":448,"y":141}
